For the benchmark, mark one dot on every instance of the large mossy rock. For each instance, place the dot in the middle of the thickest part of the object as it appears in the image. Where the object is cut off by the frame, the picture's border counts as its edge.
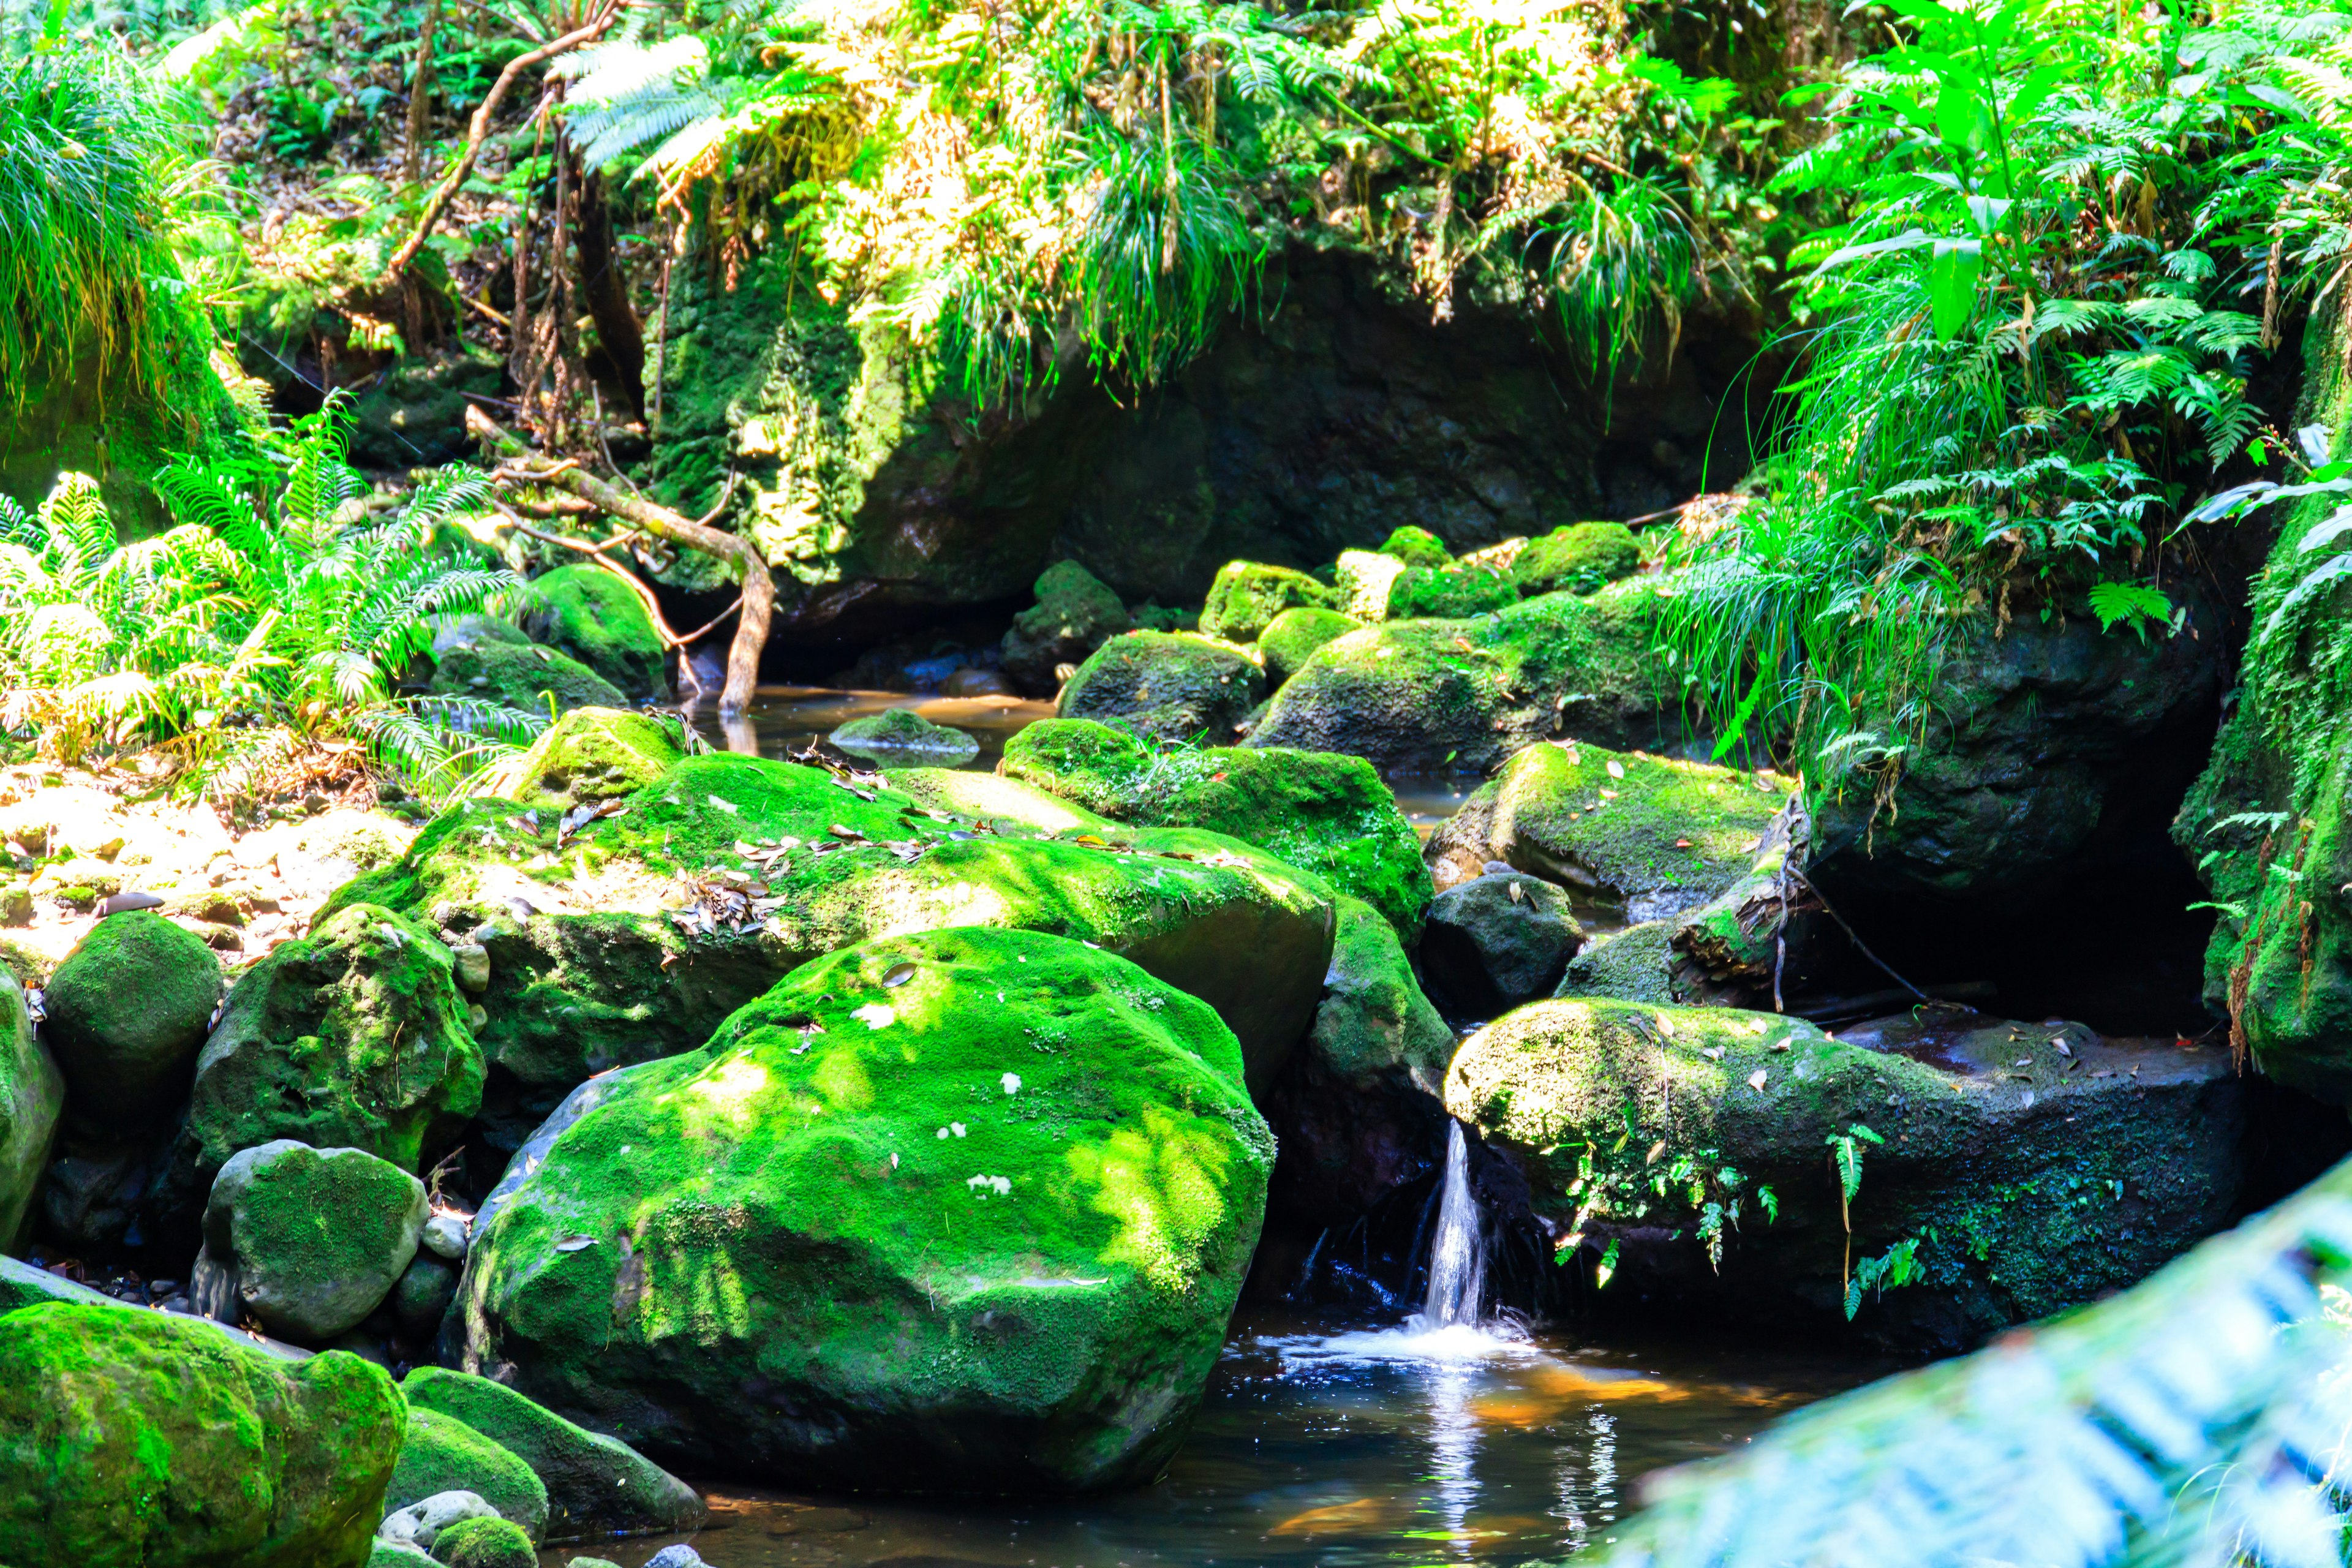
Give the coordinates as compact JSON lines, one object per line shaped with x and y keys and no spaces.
{"x":970,"y":1208}
{"x":136,"y":1439}
{"x":354,"y":1036}
{"x":2025,"y":1187}
{"x":1435,"y":695}
{"x":636,"y":935}
{"x":590,"y":755}
{"x":442,"y":1454}
{"x":593,"y":617}
{"x":314,"y":1239}
{"x":1453,"y":592}
{"x":1320,"y":811}
{"x":1497,"y":941}
{"x":1581,"y":558}
{"x":595,"y":1484}
{"x":522,"y":675}
{"x":1248,"y":595}
{"x":1074,"y":615}
{"x":127,"y":1010}
{"x":902,"y":737}
{"x":1292,"y":637}
{"x":1166,"y":686}
{"x":32,"y":1100}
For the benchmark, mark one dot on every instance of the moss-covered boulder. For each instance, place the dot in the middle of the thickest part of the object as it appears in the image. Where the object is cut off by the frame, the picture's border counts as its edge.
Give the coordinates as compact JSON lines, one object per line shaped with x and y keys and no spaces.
{"x":1074,"y":615}
{"x":1248,"y":595}
{"x":1497,"y":941}
{"x":1362,"y":582}
{"x":2012,"y":1190}
{"x":1434,"y":695}
{"x":484,"y":1543}
{"x":1167,"y":686}
{"x":1658,"y":833}
{"x":593,"y":617}
{"x":1416,"y":547}
{"x":442,"y":1454}
{"x":32,"y":1099}
{"x":1581,"y":558}
{"x":522,"y":675}
{"x":316,"y":1238}
{"x":1322,"y":813}
{"x":971,"y":1207}
{"x":1291,"y":636}
{"x":595,"y":1484}
{"x":354,"y":1036}
{"x":1451,"y":592}
{"x":1359,"y":1106}
{"x":903,"y":737}
{"x":590,"y":755}
{"x":634,"y":935}
{"x":136,"y":1439}
{"x":127,"y":1014}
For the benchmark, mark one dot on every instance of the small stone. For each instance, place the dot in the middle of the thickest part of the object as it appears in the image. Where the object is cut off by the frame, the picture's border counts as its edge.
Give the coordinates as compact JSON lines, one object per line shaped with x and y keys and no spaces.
{"x":679,"y":1556}
{"x":314,"y":1239}
{"x":445,"y":1236}
{"x":473,"y":966}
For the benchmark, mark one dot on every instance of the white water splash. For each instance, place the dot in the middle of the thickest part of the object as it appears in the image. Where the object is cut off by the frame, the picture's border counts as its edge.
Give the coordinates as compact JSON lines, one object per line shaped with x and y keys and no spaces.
{"x":1458,"y":1257}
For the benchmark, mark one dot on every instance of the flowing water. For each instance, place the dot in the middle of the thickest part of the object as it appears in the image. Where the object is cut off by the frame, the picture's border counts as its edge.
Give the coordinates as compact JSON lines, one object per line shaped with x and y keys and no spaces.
{"x":1458,"y":1252}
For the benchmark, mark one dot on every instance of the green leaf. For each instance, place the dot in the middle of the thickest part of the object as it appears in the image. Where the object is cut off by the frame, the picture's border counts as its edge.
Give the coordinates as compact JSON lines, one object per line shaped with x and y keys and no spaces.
{"x":1952,"y":274}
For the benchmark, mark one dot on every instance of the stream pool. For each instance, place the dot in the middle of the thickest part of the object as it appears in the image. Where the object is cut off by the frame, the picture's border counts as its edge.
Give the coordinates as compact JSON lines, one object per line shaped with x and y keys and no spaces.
{"x":1334,"y":1443}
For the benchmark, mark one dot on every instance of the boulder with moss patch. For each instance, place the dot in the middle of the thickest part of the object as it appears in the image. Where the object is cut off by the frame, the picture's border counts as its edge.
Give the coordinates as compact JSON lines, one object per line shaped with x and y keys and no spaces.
{"x":1581,"y":558}
{"x":314,"y":1239}
{"x":1497,"y":941}
{"x":32,"y":1099}
{"x":442,"y":1454}
{"x":484,"y":1543}
{"x":590,"y":755}
{"x":1293,"y":635}
{"x":595,"y":617}
{"x":522,"y":675}
{"x":127,"y":1010}
{"x":1451,"y":592}
{"x":715,"y":881}
{"x":1416,"y":547}
{"x":1322,"y":813}
{"x":594,"y":1483}
{"x":1436,"y":695}
{"x":904,"y":738}
{"x":353,"y":1037}
{"x":1074,"y":615}
{"x":1248,"y":595}
{"x":1169,"y":685}
{"x":136,"y":1439}
{"x":2010,"y":1191}
{"x":971,"y":1207}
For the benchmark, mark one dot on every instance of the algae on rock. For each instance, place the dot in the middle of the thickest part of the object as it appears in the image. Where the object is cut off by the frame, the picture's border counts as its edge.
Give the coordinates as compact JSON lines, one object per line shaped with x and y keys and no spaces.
{"x":441,"y":1454}
{"x":594,"y":618}
{"x":973,"y":1205}
{"x":522,"y":675}
{"x":314,"y":1239}
{"x":1074,"y":615}
{"x":127,"y":1010}
{"x":1166,"y":686}
{"x":1248,"y":595}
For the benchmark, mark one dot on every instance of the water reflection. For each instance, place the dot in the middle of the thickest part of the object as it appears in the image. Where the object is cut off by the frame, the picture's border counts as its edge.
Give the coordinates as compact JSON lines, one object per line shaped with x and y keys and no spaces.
{"x":1325,"y":1443}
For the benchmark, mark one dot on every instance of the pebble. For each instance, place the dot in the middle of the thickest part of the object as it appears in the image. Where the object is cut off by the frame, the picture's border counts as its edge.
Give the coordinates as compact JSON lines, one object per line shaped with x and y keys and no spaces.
{"x":123,"y":903}
{"x":445,"y":1236}
{"x":676,"y":1557}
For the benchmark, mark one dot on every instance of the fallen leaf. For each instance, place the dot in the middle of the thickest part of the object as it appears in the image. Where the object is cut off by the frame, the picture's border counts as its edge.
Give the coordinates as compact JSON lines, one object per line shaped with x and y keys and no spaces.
{"x":1756,"y":1080}
{"x":899,"y":975}
{"x":575,"y":1243}
{"x":1518,"y":895}
{"x":1616,"y":769}
{"x":1681,"y":843}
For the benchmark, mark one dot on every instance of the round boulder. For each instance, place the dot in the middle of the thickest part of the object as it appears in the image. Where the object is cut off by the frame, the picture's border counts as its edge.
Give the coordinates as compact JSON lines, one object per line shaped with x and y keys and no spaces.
{"x":596,"y":617}
{"x":1248,"y":595}
{"x":484,"y":1543}
{"x":1169,"y":686}
{"x":1074,"y":615}
{"x":314,"y":1239}
{"x":127,"y":1014}
{"x":1497,"y":941}
{"x":900,"y":737}
{"x":970,"y":1209}
{"x":441,"y":1454}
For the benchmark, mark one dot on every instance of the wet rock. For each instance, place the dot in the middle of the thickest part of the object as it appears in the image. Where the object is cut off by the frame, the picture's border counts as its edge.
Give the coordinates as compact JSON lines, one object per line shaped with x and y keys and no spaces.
{"x":1497,"y":941}
{"x":1581,"y":558}
{"x":484,"y":1543}
{"x":1331,"y":816}
{"x":901,"y":737}
{"x":643,"y":936}
{"x":95,"y":1195}
{"x":593,"y":617}
{"x":445,"y":1236}
{"x":32,"y":1099}
{"x":135,"y":1436}
{"x":127,"y":1012}
{"x":317,"y":856}
{"x":2020,"y":1176}
{"x":314,"y":1239}
{"x":1074,"y":615}
{"x":595,"y":1484}
{"x":441,"y":1454}
{"x":524,"y":676}
{"x":1463,"y":695}
{"x":422,"y":1297}
{"x":1248,"y":595}
{"x":354,"y":1036}
{"x":420,"y":1524}
{"x":1167,"y":686}
{"x":679,"y":1556}
{"x":23,"y":1285}
{"x":1291,"y":636}
{"x":590,"y":755}
{"x":1032,"y":1249}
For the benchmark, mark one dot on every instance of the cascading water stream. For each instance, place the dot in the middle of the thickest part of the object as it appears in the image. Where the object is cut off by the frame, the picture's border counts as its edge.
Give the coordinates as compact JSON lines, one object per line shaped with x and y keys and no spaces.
{"x":1457,"y":1254}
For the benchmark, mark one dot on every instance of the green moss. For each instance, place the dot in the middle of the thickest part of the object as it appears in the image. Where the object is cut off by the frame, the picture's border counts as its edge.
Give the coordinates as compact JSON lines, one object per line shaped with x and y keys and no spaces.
{"x":594,"y":1483}
{"x":1074,"y":615}
{"x":1635,"y":965}
{"x":484,"y":1543}
{"x":32,"y":1099}
{"x":354,"y":1036}
{"x":523,"y":677}
{"x":1373,"y":1023}
{"x":1435,"y":695}
{"x":127,"y":1010}
{"x":442,"y":1454}
{"x":1328,"y":815}
{"x":594,"y":616}
{"x":1247,"y":594}
{"x":1167,"y":686}
{"x":1662,"y":833}
{"x":134,"y":1439}
{"x":317,"y":1237}
{"x":613,"y":965}
{"x":903,"y":735}
{"x":1578,"y":558}
{"x":1416,"y":547}
{"x":1451,"y":592}
{"x":973,"y":1206}
{"x":1291,"y":636}
{"x":593,"y":755}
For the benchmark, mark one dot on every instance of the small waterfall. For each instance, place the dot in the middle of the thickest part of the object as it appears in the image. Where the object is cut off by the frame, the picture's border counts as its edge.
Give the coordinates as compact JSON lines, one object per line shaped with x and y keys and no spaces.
{"x":1458,"y":1257}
